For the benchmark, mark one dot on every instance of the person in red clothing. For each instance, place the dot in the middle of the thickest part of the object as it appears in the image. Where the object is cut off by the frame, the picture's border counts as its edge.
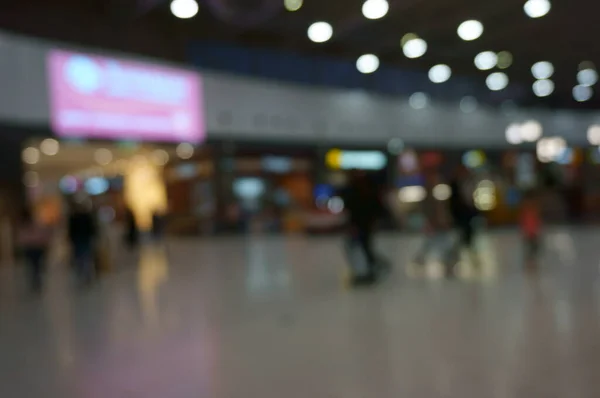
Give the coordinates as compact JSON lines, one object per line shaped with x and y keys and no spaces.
{"x":531,"y":225}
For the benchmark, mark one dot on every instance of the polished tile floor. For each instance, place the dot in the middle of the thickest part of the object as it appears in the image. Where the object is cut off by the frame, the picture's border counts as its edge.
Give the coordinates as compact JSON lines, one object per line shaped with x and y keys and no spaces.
{"x":270,"y":317}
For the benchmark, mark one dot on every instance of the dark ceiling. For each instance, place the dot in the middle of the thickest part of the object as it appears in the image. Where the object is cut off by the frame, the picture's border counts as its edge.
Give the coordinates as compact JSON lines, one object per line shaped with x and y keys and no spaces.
{"x":566,"y":36}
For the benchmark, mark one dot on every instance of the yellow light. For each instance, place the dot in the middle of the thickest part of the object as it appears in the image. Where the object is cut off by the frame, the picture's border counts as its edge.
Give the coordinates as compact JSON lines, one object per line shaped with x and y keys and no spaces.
{"x":505,"y":60}
{"x":333,"y":159}
{"x":293,"y":5}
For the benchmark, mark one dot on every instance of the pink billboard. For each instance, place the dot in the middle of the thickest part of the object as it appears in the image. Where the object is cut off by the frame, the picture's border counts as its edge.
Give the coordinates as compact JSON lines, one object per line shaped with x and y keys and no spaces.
{"x":106,"y":98}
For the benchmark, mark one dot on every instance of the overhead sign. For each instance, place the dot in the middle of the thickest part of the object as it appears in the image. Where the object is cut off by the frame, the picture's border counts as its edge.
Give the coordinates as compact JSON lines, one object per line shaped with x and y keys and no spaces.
{"x":359,"y":160}
{"x":106,"y":98}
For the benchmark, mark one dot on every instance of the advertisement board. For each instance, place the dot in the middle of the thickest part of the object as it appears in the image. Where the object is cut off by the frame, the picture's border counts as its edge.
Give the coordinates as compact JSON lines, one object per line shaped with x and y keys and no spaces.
{"x":106,"y":98}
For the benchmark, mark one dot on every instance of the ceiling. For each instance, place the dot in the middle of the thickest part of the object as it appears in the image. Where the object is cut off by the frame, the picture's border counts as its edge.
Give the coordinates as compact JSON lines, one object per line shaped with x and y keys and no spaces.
{"x":566,"y":36}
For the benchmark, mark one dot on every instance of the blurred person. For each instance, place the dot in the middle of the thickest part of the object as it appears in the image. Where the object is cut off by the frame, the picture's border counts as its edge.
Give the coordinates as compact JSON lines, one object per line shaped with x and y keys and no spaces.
{"x":463,"y":211}
{"x":34,"y":240}
{"x":531,"y":224}
{"x":363,"y":207}
{"x":132,"y":233}
{"x":436,"y":225}
{"x":82,"y":232}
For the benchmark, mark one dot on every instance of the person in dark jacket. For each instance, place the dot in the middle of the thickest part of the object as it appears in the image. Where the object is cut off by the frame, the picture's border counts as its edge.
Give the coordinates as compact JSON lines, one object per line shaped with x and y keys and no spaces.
{"x":463,"y":211}
{"x":82,"y":232}
{"x":363,"y":207}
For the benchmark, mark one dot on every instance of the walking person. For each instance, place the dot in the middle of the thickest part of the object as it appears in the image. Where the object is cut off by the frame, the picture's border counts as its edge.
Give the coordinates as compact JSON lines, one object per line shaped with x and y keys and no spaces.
{"x":82,"y":232}
{"x":34,"y":239}
{"x":363,"y":207}
{"x":463,"y":212}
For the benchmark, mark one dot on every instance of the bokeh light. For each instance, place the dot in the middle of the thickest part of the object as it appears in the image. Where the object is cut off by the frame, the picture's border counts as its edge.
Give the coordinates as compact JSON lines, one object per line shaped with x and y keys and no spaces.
{"x":470,"y":30}
{"x":419,"y":100}
{"x":320,"y":32}
{"x":497,"y":81}
{"x":414,"y":48}
{"x":537,"y":8}
{"x":30,"y":155}
{"x":184,"y":9}
{"x":375,"y":9}
{"x":367,"y":63}
{"x":440,"y":73}
{"x":49,"y":146}
{"x":486,"y":60}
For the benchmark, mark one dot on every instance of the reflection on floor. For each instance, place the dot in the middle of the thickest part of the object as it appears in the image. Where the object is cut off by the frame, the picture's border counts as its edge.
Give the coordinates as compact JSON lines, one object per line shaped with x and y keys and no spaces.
{"x":269,"y":317}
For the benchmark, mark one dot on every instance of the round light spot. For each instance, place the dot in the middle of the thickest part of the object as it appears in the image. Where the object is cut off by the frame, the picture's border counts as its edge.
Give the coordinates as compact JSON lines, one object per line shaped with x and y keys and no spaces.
{"x":513,"y":134}
{"x":543,"y":88}
{"x":537,"y":8}
{"x":549,"y":149}
{"x":320,"y":32}
{"x":582,"y":93}
{"x":375,"y":9}
{"x":440,"y":73}
{"x":160,"y":157}
{"x":587,"y":77}
{"x":103,"y":156}
{"x":531,"y":131}
{"x":30,"y":155}
{"x":335,"y":205}
{"x":470,"y":30}
{"x":407,"y":37}
{"x":442,"y":192}
{"x":293,"y":5}
{"x":497,"y":81}
{"x":367,"y":63}
{"x":486,"y":60}
{"x":31,"y":179}
{"x":415,"y":48}
{"x":68,"y":185}
{"x":49,"y":147}
{"x":505,"y":60}
{"x":184,"y":9}
{"x":593,"y":134}
{"x":419,"y":100}
{"x":542,"y":70}
{"x":468,"y":104}
{"x":395,"y":146}
{"x":185,"y":150}
{"x":412,"y":194}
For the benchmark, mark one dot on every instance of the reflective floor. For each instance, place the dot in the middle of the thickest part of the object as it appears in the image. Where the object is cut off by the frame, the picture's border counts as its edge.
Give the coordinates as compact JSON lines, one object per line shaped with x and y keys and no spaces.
{"x":270,"y":317}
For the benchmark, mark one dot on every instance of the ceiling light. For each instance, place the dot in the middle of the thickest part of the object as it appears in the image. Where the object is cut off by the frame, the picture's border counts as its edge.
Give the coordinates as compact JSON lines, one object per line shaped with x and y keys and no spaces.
{"x":320,"y":32}
{"x":50,"y":147}
{"x":593,"y":134}
{"x":542,"y":70}
{"x":440,"y":73}
{"x":103,"y":156}
{"x":367,"y":63}
{"x":543,"y":88}
{"x":513,"y":134}
{"x":415,"y":48}
{"x":293,"y":5}
{"x":407,"y":37}
{"x":31,"y":155}
{"x":184,"y":9}
{"x":497,"y":81}
{"x":468,"y":104}
{"x":537,"y":8}
{"x":505,"y":59}
{"x":582,"y":93}
{"x":470,"y":30}
{"x":185,"y":150}
{"x":587,"y":77}
{"x":419,"y":100}
{"x":531,"y":131}
{"x":486,"y":60}
{"x":375,"y":9}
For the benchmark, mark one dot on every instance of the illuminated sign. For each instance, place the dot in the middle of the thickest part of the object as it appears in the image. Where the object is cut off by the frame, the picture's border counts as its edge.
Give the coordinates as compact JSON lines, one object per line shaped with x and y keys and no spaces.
{"x":106,"y":98}
{"x":359,"y":160}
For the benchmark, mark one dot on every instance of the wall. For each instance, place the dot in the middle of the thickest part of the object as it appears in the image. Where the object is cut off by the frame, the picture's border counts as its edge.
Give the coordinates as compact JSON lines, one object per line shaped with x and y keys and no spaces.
{"x":239,"y":107}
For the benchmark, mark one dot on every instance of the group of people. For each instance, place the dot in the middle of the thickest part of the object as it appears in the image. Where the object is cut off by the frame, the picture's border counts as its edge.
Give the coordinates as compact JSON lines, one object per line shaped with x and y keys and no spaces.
{"x":34,"y":240}
{"x":364,"y":207}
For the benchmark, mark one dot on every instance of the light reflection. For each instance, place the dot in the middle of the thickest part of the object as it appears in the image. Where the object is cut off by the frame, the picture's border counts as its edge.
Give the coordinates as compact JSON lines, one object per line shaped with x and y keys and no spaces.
{"x":153,"y":272}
